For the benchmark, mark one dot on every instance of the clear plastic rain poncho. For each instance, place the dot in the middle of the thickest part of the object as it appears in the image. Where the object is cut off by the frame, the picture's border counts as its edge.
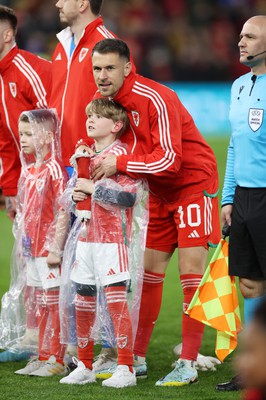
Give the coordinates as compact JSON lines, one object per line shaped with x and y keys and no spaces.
{"x":119,"y":214}
{"x":40,"y":186}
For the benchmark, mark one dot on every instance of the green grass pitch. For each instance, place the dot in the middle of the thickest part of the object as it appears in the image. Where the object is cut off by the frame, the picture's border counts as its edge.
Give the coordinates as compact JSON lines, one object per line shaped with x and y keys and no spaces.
{"x":160,"y":355}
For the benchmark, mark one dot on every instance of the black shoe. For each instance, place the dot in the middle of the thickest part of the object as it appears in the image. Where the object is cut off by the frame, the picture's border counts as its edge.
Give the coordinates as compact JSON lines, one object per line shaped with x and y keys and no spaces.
{"x":233,"y":385}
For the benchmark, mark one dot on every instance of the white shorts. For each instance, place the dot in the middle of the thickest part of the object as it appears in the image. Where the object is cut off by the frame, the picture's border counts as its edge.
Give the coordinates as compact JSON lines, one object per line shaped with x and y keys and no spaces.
{"x":100,"y":263}
{"x":40,"y":275}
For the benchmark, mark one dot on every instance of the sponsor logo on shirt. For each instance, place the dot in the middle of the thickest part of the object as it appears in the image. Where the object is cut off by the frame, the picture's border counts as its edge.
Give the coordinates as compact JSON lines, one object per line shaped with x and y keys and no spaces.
{"x":82,"y":54}
{"x":241,"y":88}
{"x":13,"y":88}
{"x":255,"y":118}
{"x":135,"y":116}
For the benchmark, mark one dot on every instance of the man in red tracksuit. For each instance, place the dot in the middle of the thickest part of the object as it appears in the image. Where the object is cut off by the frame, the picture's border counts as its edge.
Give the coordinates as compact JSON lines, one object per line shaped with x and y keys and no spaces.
{"x":25,"y":83}
{"x":73,"y":83}
{"x":182,"y":174}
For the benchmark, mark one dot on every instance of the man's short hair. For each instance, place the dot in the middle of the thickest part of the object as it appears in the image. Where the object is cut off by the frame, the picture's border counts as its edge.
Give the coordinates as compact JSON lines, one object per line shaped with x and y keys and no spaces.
{"x":110,"y":109}
{"x":116,"y":46}
{"x":96,"y":6}
{"x":7,"y":14}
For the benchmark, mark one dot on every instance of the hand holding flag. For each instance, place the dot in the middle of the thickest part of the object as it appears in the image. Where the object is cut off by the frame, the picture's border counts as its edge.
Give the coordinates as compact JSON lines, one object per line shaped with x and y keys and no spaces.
{"x":215,"y":302}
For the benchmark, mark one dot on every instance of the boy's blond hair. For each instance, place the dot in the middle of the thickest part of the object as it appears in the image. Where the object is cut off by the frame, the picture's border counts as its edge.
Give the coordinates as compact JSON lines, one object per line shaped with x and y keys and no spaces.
{"x":110,"y":109}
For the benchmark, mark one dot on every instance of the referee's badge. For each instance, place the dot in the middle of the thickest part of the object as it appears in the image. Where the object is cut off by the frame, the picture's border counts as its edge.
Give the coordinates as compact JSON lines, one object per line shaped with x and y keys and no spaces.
{"x":255,"y":118}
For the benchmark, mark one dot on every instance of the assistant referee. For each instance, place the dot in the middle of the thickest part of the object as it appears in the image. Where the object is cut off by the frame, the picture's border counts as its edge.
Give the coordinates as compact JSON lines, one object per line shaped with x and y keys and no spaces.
{"x":244,"y":192}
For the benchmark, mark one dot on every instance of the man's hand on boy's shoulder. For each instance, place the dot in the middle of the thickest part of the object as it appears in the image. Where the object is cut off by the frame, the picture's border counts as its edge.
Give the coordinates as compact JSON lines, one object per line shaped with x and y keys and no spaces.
{"x":106,"y":168}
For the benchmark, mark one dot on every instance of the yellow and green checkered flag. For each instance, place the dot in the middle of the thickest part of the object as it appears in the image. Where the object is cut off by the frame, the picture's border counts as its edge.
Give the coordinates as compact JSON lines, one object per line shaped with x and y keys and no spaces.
{"x":215,"y":302}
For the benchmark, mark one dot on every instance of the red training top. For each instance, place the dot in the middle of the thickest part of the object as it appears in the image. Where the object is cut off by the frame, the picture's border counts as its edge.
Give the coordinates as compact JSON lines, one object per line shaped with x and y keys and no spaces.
{"x":168,"y":149}
{"x":25,"y":85}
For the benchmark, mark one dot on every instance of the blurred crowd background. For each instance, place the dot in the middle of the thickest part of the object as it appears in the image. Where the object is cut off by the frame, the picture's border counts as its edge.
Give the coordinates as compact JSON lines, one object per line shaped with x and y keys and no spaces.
{"x":171,"y":40}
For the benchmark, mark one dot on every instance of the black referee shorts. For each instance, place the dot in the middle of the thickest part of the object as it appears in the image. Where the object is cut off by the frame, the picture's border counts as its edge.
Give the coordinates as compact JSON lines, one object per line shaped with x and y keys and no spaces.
{"x":247,"y":243}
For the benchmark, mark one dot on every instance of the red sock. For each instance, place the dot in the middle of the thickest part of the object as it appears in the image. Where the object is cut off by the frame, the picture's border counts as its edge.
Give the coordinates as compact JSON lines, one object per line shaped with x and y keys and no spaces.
{"x":150,"y":305}
{"x":30,"y":302}
{"x":42,"y":317}
{"x":85,"y":315}
{"x":116,"y":298}
{"x":192,"y":330}
{"x":56,"y":348}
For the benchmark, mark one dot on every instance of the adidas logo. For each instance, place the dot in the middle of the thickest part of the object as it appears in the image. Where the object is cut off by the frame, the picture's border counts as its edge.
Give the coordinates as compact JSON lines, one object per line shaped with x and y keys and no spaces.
{"x":51,"y":276}
{"x":194,"y":234}
{"x":111,"y":272}
{"x":59,"y":57}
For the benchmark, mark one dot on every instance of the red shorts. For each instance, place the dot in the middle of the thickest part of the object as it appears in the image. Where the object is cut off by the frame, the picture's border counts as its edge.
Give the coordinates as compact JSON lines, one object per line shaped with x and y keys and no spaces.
{"x":189,"y":222}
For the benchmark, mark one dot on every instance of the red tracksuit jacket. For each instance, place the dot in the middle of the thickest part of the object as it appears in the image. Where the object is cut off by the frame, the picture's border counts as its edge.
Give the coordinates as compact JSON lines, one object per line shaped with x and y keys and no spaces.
{"x":168,"y":149}
{"x":73,"y":83}
{"x":25,"y":85}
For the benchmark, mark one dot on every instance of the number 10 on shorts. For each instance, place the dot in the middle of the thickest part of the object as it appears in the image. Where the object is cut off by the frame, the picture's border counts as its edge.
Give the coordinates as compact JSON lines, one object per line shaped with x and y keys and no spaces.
{"x":190,"y":215}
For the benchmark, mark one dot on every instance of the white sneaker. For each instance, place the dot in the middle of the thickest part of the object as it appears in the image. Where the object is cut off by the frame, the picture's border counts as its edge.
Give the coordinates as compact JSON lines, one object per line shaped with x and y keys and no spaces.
{"x":32,"y":365}
{"x":105,"y":360}
{"x":122,"y":377}
{"x":50,"y":368}
{"x":80,"y":376}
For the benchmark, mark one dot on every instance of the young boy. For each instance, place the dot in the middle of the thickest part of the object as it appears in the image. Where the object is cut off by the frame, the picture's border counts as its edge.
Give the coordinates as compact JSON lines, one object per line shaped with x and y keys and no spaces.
{"x":103,"y":260}
{"x":40,"y":233}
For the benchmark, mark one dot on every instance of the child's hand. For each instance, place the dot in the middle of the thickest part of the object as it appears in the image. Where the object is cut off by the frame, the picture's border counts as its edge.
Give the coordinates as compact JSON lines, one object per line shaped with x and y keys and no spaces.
{"x":85,"y":185}
{"x":53,"y":260}
{"x":10,"y":202}
{"x":84,"y":149}
{"x":79,"y":196}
